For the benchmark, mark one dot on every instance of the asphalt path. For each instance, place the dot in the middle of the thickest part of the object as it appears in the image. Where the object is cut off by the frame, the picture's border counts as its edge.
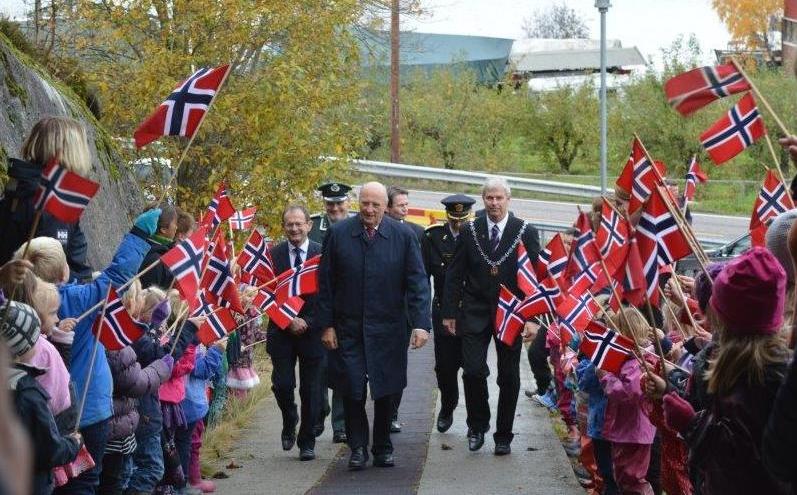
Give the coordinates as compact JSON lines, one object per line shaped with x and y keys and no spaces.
{"x":708,"y":227}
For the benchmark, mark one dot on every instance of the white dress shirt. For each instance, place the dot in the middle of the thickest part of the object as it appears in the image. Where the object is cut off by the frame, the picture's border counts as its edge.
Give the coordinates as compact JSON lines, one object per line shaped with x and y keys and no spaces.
{"x":303,"y":254}
{"x":501,"y":226}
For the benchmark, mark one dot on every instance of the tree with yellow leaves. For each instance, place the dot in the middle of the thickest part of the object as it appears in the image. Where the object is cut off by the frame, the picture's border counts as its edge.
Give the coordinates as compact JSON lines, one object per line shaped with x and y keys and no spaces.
{"x":751,"y":21}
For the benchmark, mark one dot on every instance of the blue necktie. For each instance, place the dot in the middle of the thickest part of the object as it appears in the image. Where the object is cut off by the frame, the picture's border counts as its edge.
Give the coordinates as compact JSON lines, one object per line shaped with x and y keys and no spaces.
{"x":297,"y":259}
{"x":494,"y":238}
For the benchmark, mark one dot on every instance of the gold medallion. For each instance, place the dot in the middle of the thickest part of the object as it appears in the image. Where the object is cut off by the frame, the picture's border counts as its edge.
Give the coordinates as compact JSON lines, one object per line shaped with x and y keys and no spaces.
{"x":494,"y":271}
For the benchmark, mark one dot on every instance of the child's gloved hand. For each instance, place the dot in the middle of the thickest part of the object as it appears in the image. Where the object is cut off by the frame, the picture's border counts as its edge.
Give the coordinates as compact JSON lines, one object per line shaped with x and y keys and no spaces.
{"x":160,"y":313}
{"x":148,"y":221}
{"x":678,"y":413}
{"x":168,"y":360}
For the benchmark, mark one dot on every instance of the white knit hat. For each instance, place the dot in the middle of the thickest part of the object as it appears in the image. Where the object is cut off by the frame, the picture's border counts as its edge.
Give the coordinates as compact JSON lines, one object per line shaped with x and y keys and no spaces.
{"x":778,"y":241}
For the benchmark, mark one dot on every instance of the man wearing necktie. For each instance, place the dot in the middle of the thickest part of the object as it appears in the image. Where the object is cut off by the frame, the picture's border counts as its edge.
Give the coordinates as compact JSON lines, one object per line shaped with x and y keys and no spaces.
{"x":301,"y":341}
{"x":486,"y":258}
{"x":371,"y":277}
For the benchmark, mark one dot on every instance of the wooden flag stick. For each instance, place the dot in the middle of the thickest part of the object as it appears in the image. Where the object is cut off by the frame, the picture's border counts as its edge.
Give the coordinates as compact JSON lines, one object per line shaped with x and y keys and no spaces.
{"x":672,"y":314}
{"x":177,"y":320}
{"x":233,"y":258}
{"x":677,"y":285}
{"x":85,"y":393}
{"x":776,"y":160}
{"x":254,"y":344}
{"x":120,"y":289}
{"x":638,"y":352}
{"x":654,"y":335}
{"x":760,"y":96}
{"x":191,"y":141}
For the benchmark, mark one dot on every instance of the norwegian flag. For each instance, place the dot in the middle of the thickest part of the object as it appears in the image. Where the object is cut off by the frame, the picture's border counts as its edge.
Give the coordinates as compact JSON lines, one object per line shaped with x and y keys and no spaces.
{"x":507,"y":323}
{"x":607,"y":349}
{"x":575,"y":313}
{"x":592,"y":278}
{"x":584,"y":252}
{"x":203,"y":306}
{"x":255,"y":258}
{"x":772,"y":200}
{"x":219,"y":209}
{"x":552,"y":261}
{"x":218,"y":283}
{"x":730,"y":135}
{"x":693,"y":176}
{"x":219,"y":323}
{"x":63,"y":194}
{"x":526,"y":278}
{"x":184,"y":260}
{"x":116,"y":329}
{"x":660,"y":240}
{"x":543,"y":299}
{"x":299,"y":281}
{"x":281,"y":314}
{"x":612,"y":232}
{"x":243,"y":220}
{"x":692,"y":90}
{"x":638,"y":177}
{"x":634,"y":281}
{"x":181,"y":113}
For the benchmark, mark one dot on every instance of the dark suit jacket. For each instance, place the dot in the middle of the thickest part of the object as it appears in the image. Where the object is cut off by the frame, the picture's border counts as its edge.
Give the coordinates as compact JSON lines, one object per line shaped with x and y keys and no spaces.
{"x":471,"y":292}
{"x":279,"y":340}
{"x":363,"y":289}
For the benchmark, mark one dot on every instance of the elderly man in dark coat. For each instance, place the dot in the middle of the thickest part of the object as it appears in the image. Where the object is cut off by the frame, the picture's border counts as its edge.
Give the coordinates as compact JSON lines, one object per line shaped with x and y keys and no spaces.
{"x":371,"y":277}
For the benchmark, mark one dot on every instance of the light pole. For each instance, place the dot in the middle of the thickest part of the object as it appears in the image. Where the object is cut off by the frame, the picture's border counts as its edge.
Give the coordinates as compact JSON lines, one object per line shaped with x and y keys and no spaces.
{"x":603,"y":7}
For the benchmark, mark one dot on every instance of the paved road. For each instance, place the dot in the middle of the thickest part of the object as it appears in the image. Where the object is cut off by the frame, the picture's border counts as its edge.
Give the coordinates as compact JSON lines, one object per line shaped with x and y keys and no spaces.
{"x":537,"y":465}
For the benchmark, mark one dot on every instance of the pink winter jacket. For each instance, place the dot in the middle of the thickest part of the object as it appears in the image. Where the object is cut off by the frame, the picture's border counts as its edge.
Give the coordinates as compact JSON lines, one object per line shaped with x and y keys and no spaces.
{"x":626,"y":420}
{"x":55,"y":381}
{"x":174,"y":389}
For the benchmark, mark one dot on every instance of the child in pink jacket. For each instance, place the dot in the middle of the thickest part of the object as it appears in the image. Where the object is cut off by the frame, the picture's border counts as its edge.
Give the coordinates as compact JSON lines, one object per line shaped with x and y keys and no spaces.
{"x":626,"y":424}
{"x":171,"y":394}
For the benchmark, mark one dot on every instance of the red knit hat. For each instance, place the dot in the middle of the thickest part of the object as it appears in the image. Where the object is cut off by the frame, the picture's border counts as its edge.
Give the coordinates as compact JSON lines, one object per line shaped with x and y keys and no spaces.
{"x":749,"y":294}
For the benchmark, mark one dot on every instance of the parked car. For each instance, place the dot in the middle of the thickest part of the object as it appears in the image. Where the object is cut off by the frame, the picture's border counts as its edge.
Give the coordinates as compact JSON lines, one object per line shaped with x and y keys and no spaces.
{"x":689,"y":265}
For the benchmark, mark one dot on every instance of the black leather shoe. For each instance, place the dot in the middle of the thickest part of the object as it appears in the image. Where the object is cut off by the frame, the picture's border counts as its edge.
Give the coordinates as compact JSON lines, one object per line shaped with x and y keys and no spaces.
{"x":384,"y":460}
{"x":475,"y":441}
{"x":318,"y":430}
{"x":395,"y":426}
{"x":502,"y":449}
{"x":339,"y":437}
{"x":358,"y":459}
{"x":306,"y":454}
{"x":288,"y":438}
{"x":444,"y":422}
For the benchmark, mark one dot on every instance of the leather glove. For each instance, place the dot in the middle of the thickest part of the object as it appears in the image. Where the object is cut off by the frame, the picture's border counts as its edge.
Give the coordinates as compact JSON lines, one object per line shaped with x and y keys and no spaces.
{"x":168,"y":359}
{"x":159,"y":314}
{"x":148,"y":221}
{"x":678,"y":413}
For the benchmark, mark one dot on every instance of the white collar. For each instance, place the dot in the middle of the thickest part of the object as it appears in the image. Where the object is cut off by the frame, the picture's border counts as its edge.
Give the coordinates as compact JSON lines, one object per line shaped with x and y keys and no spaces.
{"x":303,"y":246}
{"x":501,"y":223}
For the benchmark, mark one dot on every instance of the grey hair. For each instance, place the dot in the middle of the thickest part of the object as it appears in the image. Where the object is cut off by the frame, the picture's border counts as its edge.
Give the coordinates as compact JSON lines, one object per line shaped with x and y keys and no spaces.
{"x":496,"y":183}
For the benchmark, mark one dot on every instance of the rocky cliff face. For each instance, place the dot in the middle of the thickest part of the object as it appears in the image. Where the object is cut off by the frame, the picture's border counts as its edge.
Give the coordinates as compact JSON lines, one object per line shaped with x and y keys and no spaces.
{"x":28,"y":94}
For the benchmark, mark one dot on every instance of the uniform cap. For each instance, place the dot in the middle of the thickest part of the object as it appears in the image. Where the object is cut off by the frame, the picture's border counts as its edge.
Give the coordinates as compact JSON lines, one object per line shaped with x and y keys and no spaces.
{"x":458,"y":205}
{"x":334,"y":191}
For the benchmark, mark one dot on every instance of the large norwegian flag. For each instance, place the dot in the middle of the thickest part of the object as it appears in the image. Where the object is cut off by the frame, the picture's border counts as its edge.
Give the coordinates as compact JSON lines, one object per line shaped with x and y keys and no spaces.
{"x":584,"y":251}
{"x":526,"y":278}
{"x":694,"y":175}
{"x":63,"y":194}
{"x":692,"y":90}
{"x":634,"y":281}
{"x":552,"y":261}
{"x":255,"y":258}
{"x":299,"y":281}
{"x":607,"y":349}
{"x":772,"y":200}
{"x":543,"y":299}
{"x":739,"y":128}
{"x":219,"y":323}
{"x":660,"y":240}
{"x":612,"y":232}
{"x":217,"y":282}
{"x":243,"y":220}
{"x":219,"y":209}
{"x":183,"y":110}
{"x":281,"y":314}
{"x":116,"y":329}
{"x":638,"y":177}
{"x":184,"y":260}
{"x":507,"y":323}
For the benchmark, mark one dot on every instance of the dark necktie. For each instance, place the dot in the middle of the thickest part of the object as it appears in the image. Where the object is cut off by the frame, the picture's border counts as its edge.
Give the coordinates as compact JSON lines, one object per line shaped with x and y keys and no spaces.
{"x":494,"y":238}
{"x":297,"y":257}
{"x":370,"y":232}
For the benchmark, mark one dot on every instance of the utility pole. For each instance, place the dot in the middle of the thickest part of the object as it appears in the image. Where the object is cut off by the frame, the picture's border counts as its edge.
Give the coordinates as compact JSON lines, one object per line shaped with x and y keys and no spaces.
{"x":395,"y":138}
{"x":603,"y":7}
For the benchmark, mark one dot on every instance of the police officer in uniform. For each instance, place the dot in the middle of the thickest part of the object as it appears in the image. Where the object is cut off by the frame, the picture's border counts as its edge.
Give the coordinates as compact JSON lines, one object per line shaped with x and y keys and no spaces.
{"x":439,"y":242}
{"x":336,"y":206}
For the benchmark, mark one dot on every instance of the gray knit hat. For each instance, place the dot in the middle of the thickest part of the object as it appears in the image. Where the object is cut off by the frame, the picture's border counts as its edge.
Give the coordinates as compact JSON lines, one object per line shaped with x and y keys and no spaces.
{"x":21,"y":328}
{"x":778,"y":241}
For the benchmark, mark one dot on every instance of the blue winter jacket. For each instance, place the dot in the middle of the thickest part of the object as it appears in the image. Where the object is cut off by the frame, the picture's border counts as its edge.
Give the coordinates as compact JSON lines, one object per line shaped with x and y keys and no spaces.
{"x":206,"y":367}
{"x":77,"y":298}
{"x":596,"y":404}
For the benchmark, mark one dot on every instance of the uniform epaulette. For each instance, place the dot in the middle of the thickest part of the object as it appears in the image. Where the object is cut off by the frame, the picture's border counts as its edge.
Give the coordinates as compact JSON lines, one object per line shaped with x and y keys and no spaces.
{"x":434,"y":226}
{"x":316,"y":215}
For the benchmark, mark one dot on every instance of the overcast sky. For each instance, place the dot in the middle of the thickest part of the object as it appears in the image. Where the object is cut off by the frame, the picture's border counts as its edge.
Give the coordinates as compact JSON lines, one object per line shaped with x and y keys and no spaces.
{"x":647,"y":24}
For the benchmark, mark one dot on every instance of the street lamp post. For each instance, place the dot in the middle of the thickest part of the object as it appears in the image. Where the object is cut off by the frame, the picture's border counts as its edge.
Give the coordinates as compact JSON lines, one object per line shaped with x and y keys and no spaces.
{"x":603,"y":7}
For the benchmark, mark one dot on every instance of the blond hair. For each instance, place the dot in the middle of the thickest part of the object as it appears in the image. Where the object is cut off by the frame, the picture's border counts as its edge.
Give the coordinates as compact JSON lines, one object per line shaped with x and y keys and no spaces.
{"x":132,"y":295}
{"x":48,"y":258}
{"x":24,"y":292}
{"x":59,"y":136}
{"x":45,"y":294}
{"x":152,"y":297}
{"x":630,"y":322}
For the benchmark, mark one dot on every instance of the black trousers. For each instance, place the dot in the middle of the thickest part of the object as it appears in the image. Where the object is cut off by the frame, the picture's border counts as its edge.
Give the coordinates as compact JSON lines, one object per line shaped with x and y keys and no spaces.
{"x":447,"y":362}
{"x":357,"y":423}
{"x":538,"y":361}
{"x":476,"y":371}
{"x":283,"y":383}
